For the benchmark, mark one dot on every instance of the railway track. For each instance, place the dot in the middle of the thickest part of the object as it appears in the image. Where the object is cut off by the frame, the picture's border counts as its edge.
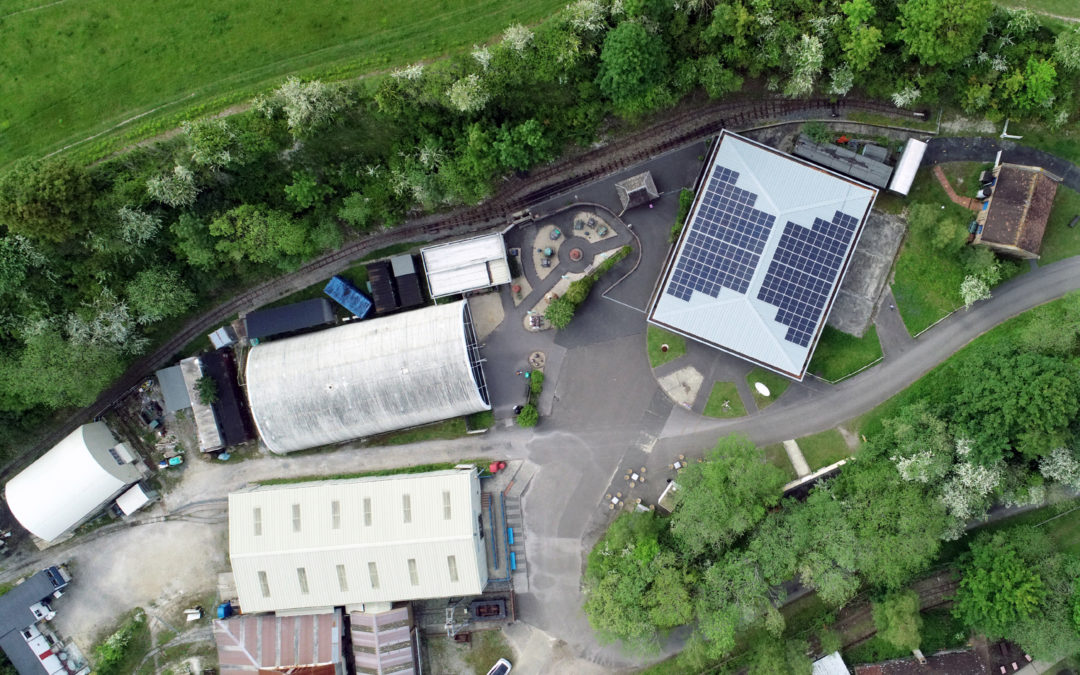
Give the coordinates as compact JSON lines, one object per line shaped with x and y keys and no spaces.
{"x":690,"y":124}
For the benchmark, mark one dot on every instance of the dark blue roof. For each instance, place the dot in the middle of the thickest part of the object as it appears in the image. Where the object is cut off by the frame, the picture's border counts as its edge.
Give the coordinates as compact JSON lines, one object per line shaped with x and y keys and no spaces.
{"x":346,"y":295}
{"x":289,"y":318}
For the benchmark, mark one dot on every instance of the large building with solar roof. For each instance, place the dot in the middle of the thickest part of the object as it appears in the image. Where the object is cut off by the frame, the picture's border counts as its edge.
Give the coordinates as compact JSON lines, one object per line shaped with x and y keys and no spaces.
{"x":761,"y":257}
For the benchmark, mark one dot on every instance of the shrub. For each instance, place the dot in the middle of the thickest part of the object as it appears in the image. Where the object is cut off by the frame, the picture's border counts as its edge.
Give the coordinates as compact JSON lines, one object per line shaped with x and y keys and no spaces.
{"x":529,"y":416}
{"x":536,"y":382}
{"x":560,"y":312}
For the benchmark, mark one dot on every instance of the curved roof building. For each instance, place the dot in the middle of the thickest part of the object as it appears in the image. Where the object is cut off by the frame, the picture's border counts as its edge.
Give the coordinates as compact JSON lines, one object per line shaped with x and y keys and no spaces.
{"x":366,"y":378}
{"x":69,"y":483}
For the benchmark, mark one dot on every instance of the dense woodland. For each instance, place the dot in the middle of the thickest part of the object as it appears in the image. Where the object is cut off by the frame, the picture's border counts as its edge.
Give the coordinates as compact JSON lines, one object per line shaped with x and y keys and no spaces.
{"x":99,"y":262}
{"x":994,"y":425}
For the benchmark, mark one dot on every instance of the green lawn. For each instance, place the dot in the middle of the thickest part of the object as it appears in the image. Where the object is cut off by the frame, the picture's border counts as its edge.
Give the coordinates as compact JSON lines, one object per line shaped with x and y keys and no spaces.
{"x":80,"y":68}
{"x":658,"y":336}
{"x":777,"y":456}
{"x":927,"y":282}
{"x":777,"y":385}
{"x":823,"y":449}
{"x":488,"y":646}
{"x":721,"y":392}
{"x":838,"y":354}
{"x":1060,"y":241}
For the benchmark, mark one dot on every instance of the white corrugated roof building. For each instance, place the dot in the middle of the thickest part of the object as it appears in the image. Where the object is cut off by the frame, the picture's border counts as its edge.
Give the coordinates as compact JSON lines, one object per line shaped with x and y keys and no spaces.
{"x":366,"y":378}
{"x":71,"y":482}
{"x":311,"y":546}
{"x":764,"y":250}
{"x":466,"y":265}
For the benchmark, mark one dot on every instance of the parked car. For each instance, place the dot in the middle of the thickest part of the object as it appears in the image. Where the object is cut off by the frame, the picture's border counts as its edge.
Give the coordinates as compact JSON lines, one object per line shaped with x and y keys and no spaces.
{"x":501,"y":667}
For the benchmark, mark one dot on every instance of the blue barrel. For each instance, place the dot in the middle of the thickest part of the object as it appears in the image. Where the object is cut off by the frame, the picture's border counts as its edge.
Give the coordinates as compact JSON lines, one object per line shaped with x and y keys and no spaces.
{"x":513,"y":560}
{"x":510,"y":535}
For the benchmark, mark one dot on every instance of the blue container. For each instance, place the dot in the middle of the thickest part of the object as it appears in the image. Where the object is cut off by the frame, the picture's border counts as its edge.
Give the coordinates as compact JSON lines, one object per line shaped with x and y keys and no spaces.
{"x":513,"y":560}
{"x":510,"y":535}
{"x":224,"y":610}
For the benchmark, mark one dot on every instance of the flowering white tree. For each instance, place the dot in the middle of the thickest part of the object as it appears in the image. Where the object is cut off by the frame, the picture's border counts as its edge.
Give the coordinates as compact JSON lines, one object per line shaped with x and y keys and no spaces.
{"x":1067,"y":49}
{"x":1062,"y":466}
{"x":175,"y":189}
{"x":973,"y":289}
{"x":906,"y":96}
{"x":482,"y":56}
{"x":468,"y":94}
{"x":108,"y":323}
{"x":841,"y":80}
{"x":136,"y":227}
{"x":211,"y":142}
{"x":17,"y":257}
{"x":922,"y":467}
{"x":587,"y":16}
{"x":411,"y":72}
{"x":806,"y":55}
{"x":517,"y":37}
{"x":307,"y":105}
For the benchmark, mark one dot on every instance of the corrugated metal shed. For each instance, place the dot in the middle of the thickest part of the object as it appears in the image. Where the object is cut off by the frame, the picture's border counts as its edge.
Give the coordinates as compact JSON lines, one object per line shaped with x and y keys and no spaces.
{"x":384,"y":643}
{"x":308,"y":546}
{"x":222,"y":337}
{"x":907,"y":167}
{"x":366,"y":378}
{"x":289,"y":318}
{"x":466,"y":265}
{"x":833,"y":664}
{"x":132,"y":500}
{"x":206,"y":425}
{"x":790,"y":191}
{"x":383,"y":290}
{"x":70,"y":482}
{"x":171,"y":381}
{"x":231,"y":413}
{"x":310,"y":644}
{"x":860,"y":167}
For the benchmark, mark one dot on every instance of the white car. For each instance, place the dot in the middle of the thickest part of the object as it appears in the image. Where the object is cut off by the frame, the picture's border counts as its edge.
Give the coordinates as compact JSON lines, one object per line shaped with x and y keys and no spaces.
{"x":501,"y":667}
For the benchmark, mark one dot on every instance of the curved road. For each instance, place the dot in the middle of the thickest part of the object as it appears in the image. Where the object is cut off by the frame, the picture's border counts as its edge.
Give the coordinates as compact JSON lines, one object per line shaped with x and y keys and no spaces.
{"x":836,"y":404}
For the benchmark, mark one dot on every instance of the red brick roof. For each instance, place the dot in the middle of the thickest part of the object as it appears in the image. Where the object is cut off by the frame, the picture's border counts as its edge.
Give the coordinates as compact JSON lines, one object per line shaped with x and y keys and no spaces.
{"x":271,"y":645}
{"x":1019,"y":207}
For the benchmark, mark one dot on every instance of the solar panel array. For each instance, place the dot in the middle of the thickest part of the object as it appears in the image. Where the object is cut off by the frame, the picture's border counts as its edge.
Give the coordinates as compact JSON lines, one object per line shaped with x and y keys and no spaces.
{"x":725,"y":241}
{"x":803,"y":271}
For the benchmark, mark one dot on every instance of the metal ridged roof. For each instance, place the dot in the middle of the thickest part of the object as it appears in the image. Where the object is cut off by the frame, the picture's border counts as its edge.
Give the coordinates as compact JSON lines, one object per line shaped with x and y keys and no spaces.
{"x":364,"y":378}
{"x":319,"y":526}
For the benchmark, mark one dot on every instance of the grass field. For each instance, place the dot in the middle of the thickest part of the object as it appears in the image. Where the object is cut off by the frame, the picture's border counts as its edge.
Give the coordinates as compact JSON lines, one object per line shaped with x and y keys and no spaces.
{"x":838,"y":354}
{"x":777,"y":385}
{"x":823,"y":449}
{"x":657,"y":337}
{"x":1060,"y":241}
{"x":777,"y":456}
{"x":721,"y":392}
{"x":84,"y":67}
{"x":927,"y":282}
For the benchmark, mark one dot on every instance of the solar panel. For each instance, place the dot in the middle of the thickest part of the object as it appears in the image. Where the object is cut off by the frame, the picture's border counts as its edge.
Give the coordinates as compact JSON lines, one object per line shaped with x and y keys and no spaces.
{"x":803,"y":271}
{"x":725,"y":240}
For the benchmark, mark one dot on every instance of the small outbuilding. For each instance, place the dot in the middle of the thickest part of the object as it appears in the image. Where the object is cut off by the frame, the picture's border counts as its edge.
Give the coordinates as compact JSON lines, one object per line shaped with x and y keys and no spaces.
{"x":467,"y":265}
{"x":289,"y":319}
{"x":637,"y":190}
{"x":71,"y":482}
{"x":366,"y":378}
{"x":868,"y":167}
{"x":173,"y":389}
{"x":907,"y":167}
{"x":1014,"y":217}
